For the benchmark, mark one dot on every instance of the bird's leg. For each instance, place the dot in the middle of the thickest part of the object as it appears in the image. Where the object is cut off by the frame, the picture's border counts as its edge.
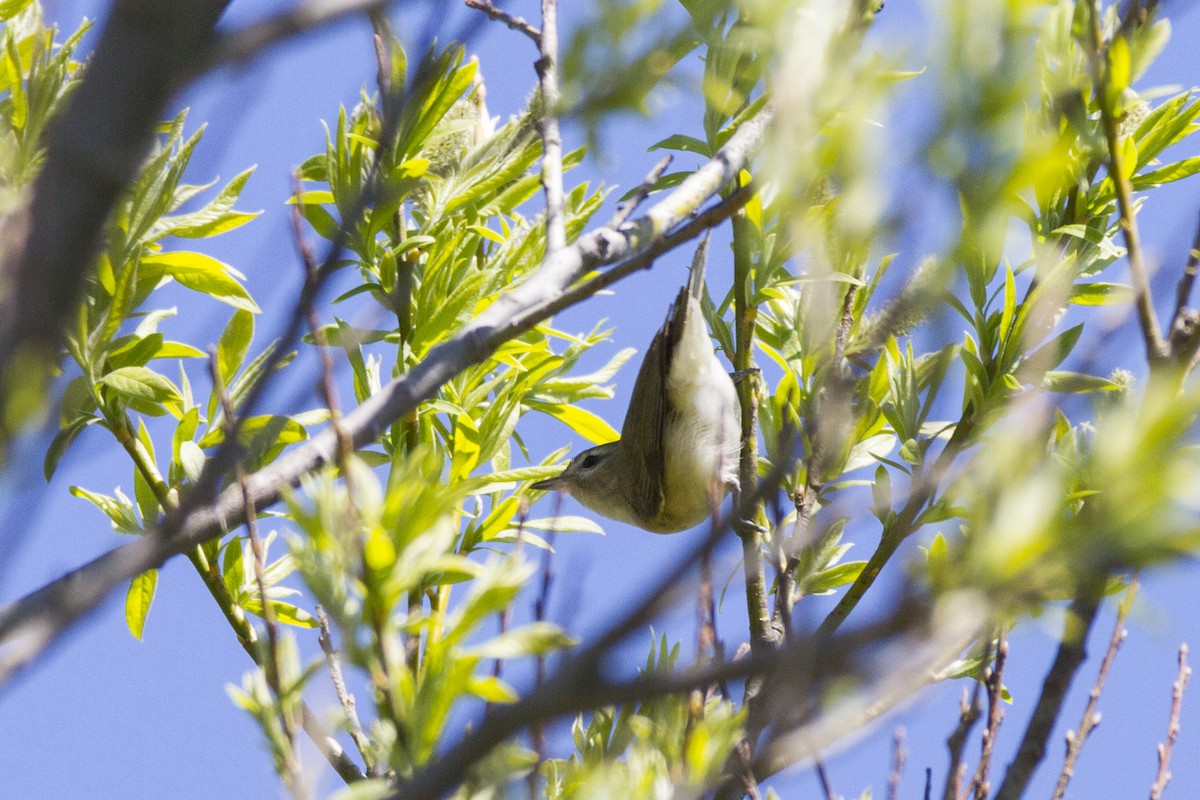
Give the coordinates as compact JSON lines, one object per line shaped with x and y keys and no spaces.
{"x":740,"y":374}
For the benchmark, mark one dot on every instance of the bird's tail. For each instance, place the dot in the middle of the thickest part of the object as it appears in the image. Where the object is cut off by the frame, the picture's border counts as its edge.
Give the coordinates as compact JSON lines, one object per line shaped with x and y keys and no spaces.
{"x":699,"y":262}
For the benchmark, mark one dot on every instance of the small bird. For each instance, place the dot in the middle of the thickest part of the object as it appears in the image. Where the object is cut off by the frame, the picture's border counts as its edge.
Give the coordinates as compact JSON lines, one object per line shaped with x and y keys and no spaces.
{"x":678,"y":452}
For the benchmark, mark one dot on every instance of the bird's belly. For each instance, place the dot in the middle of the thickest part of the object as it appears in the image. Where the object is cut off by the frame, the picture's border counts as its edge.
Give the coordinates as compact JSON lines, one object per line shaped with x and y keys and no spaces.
{"x":700,"y":465}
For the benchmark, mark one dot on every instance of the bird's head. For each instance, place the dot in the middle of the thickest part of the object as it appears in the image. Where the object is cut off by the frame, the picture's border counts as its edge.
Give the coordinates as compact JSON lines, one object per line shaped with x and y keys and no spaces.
{"x":594,"y":479}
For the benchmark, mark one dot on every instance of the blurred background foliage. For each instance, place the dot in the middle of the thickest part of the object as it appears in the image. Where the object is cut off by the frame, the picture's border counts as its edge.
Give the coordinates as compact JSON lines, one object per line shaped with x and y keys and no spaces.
{"x":959,"y":390}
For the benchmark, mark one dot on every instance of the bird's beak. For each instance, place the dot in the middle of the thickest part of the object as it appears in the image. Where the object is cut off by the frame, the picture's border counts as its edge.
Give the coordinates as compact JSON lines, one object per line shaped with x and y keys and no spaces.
{"x":548,"y":485}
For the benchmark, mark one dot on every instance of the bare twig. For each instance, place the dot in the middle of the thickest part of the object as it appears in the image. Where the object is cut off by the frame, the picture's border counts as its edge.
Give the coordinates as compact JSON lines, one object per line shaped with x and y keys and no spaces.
{"x":515,"y":23}
{"x":1163,"y":775}
{"x":899,"y":757}
{"x":993,"y":678}
{"x":540,"y":606}
{"x":1072,"y":649}
{"x":968,"y":715}
{"x":1183,"y":293}
{"x":1183,"y":339}
{"x":826,"y":784}
{"x":29,"y":625}
{"x":345,"y":699}
{"x":1076,"y":739}
{"x":640,"y":193}
{"x":552,"y":167}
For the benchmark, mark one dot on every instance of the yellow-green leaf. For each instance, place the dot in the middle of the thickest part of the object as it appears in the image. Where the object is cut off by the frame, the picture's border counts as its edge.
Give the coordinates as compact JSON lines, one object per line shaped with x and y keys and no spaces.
{"x":466,"y":448}
{"x":583,"y":422}
{"x":138,"y":600}
{"x":204,"y":274}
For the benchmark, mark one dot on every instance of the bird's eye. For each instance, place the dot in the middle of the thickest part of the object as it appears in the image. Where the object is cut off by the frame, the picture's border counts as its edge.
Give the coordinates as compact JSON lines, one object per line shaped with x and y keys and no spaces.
{"x":590,"y":461}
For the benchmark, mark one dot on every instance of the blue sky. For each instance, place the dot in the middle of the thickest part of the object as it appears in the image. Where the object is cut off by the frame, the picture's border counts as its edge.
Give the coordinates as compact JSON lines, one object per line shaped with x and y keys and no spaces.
{"x":108,"y":716}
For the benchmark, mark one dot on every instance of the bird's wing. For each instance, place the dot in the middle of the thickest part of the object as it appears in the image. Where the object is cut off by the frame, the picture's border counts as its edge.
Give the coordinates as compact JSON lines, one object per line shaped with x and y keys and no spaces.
{"x":642,"y":432}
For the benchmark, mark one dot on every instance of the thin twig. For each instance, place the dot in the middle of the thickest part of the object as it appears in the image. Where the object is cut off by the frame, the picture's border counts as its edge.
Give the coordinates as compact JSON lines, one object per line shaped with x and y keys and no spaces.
{"x":1183,"y":293}
{"x":1183,"y":339}
{"x":899,"y":757}
{"x":540,"y":606}
{"x":552,"y":166}
{"x":515,"y":23}
{"x":293,"y":774}
{"x":826,"y":785}
{"x":640,"y":193}
{"x":1090,"y":719}
{"x":345,"y":699}
{"x":968,"y":715}
{"x":1164,"y":749}
{"x":993,"y":678}
{"x":1072,"y":649}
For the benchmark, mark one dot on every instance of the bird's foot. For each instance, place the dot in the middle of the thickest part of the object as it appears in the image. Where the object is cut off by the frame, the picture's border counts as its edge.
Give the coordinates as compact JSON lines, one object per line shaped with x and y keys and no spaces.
{"x":738,"y":375}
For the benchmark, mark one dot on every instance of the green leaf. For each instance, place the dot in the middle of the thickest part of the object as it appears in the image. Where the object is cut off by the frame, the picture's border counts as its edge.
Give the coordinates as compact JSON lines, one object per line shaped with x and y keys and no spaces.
{"x":687,"y":144}
{"x":564,"y":524}
{"x":286,"y":613}
{"x":234,"y":344}
{"x":1119,"y":70}
{"x":534,"y":639}
{"x":1172,"y":172}
{"x":140,"y":383}
{"x":1101,"y":294}
{"x":582,"y":421}
{"x":491,"y":689}
{"x":10,"y":8}
{"x":62,"y":441}
{"x":1077,"y":383}
{"x":204,"y":274}
{"x":119,"y":509}
{"x":826,"y":581}
{"x":466,"y":448}
{"x":191,"y":459}
{"x":138,"y":601}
